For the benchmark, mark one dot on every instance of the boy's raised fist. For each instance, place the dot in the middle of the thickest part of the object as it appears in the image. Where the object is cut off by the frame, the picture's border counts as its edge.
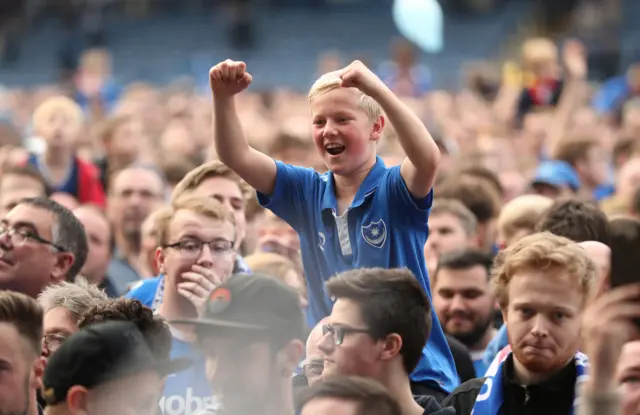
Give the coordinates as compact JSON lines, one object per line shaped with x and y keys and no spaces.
{"x":229,"y":78}
{"x":357,"y":75}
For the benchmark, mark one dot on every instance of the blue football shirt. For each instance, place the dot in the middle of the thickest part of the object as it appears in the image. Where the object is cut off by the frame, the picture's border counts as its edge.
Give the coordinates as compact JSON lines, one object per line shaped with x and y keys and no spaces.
{"x":385,"y":227}
{"x":68,"y":185}
{"x":187,"y":392}
{"x":147,"y":291}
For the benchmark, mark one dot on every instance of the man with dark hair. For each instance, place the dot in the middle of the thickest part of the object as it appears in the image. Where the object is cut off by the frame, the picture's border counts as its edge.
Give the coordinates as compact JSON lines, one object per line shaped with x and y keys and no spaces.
{"x":155,"y":330}
{"x":41,"y":243}
{"x":20,"y":345}
{"x":378,"y":327}
{"x":463,"y":300}
{"x":20,"y":182}
{"x":480,"y":198}
{"x":347,"y":395}
{"x":577,"y":220}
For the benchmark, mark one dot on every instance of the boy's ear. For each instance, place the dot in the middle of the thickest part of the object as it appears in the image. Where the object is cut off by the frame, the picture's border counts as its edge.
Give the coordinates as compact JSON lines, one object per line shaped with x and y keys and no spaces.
{"x":377,"y":127}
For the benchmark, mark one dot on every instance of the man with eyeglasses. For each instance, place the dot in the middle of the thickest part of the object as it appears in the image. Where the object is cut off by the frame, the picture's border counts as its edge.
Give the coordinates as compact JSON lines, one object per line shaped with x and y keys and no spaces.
{"x":196,"y":254}
{"x":41,"y":243}
{"x":216,"y":181}
{"x":379,"y":324}
{"x":63,"y":306}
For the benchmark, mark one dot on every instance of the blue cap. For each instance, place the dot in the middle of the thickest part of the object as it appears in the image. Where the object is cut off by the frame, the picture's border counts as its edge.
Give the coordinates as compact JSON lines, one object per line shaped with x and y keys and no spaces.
{"x":556,"y":173}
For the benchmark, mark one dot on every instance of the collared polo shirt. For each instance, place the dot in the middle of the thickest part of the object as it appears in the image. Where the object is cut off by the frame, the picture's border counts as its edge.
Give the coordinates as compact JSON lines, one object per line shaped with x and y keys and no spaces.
{"x":385,"y":227}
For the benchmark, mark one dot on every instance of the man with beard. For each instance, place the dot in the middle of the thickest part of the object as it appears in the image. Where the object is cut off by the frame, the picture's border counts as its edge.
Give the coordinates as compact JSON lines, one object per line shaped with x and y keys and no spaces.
{"x":251,"y":331}
{"x":135,"y":192}
{"x":463,"y":301}
{"x":20,"y":344}
{"x":542,"y":284}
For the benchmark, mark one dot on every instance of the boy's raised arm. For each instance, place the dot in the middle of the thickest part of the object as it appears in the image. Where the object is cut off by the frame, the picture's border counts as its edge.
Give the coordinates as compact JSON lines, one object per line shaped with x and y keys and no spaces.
{"x":227,"y":79}
{"x":419,"y":168}
{"x":423,"y":156}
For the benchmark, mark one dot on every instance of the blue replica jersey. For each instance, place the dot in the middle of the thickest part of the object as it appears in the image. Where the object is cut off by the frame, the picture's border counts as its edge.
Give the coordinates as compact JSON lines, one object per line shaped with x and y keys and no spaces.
{"x":385,"y":227}
{"x":68,"y":185}
{"x":147,"y":291}
{"x":187,"y":392}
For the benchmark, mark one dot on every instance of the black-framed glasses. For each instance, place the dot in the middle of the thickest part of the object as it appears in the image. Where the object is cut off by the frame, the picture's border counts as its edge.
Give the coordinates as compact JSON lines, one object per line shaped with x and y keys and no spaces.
{"x":339,"y":331}
{"x":20,"y":236}
{"x":193,"y":247}
{"x":53,"y":341}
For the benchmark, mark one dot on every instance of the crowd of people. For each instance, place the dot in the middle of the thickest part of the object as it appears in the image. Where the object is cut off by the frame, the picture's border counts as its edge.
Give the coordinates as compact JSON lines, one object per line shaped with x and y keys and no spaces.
{"x":373,"y":247}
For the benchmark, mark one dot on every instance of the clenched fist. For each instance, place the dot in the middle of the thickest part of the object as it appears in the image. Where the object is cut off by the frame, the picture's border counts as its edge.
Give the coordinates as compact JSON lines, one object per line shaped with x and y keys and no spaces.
{"x":357,"y":75}
{"x":229,"y":78}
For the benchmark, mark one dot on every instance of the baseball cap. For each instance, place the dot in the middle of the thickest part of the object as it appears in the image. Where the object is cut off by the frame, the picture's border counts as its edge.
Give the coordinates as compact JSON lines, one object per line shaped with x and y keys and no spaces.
{"x":101,"y":353}
{"x":252,"y":303}
{"x":556,"y":173}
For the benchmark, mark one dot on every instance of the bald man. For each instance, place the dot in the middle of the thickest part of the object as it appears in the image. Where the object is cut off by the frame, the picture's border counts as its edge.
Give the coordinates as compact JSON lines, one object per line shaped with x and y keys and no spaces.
{"x":601,"y":255}
{"x":314,"y":361}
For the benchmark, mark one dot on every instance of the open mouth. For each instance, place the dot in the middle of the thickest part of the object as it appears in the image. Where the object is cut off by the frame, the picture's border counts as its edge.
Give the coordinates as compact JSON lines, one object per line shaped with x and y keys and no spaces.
{"x":334,"y":149}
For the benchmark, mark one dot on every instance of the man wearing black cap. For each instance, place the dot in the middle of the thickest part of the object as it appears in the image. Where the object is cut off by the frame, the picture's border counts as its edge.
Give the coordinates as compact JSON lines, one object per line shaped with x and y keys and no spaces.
{"x":252,"y":332}
{"x":106,"y":369}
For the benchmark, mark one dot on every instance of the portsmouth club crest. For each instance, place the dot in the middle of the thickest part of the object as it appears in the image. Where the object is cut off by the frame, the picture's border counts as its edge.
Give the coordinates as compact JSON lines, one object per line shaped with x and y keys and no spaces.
{"x":375,"y":233}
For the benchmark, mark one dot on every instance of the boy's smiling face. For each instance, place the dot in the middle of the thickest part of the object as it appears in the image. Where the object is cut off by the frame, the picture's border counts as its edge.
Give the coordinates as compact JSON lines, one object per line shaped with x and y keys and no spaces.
{"x":343,"y":133}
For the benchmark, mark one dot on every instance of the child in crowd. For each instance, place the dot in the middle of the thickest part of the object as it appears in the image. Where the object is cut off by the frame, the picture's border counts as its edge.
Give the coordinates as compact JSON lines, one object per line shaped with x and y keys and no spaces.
{"x":58,"y":121}
{"x":543,"y":82}
{"x":360,"y":213}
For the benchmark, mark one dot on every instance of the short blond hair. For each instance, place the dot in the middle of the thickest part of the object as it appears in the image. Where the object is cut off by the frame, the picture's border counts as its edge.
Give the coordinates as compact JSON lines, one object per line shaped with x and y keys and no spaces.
{"x":544,"y":252}
{"x":538,"y":50}
{"x":214,"y":168}
{"x":57,"y":103}
{"x":270,"y":264}
{"x":199,"y":204}
{"x":523,"y":212}
{"x":331,"y":80}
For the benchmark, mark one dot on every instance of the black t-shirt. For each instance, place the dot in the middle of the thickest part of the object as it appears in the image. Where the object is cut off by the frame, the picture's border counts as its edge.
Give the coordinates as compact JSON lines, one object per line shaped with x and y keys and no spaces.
{"x":462,"y":359}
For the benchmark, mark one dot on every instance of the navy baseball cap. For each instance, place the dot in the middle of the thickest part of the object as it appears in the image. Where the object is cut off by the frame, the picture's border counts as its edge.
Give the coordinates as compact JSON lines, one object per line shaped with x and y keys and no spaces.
{"x":252,"y":303}
{"x":101,"y":353}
